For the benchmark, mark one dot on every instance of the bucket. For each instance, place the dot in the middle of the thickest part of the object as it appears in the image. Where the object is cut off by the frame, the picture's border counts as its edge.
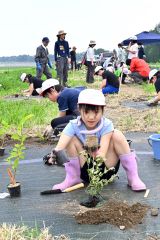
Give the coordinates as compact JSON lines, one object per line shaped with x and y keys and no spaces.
{"x":154,"y":142}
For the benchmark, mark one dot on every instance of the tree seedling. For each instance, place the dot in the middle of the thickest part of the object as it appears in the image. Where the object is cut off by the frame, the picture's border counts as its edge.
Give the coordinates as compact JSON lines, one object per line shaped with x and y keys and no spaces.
{"x":17,"y":153}
{"x":96,"y":171}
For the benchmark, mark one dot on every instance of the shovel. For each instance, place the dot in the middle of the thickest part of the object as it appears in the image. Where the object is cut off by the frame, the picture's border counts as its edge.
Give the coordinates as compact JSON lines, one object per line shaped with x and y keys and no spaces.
{"x":56,"y":191}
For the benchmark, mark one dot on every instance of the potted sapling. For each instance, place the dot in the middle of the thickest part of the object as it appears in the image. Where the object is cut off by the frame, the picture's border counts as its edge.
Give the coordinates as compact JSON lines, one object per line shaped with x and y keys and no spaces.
{"x":3,"y":131}
{"x":95,"y":172}
{"x":16,"y":154}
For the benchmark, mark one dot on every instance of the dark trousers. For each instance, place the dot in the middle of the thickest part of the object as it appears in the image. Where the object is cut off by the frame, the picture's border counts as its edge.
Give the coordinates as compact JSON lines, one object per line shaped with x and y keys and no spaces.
{"x":62,"y":70}
{"x":73,"y":65}
{"x":90,"y":72}
{"x":62,"y":120}
{"x":44,"y":71}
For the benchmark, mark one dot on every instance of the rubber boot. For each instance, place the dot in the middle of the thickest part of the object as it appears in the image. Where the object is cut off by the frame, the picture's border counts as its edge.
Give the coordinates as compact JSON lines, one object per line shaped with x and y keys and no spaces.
{"x":72,"y":169}
{"x":129,"y":164}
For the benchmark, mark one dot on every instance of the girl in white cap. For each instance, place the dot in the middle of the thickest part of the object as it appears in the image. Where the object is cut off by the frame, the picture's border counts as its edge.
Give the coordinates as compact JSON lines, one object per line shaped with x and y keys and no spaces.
{"x":113,"y":146}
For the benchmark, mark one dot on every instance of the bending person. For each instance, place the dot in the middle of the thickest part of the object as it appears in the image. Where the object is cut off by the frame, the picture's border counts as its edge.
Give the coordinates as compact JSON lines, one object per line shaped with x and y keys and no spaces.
{"x":154,"y":78}
{"x":110,"y":82}
{"x":66,"y":98}
{"x":34,"y":84}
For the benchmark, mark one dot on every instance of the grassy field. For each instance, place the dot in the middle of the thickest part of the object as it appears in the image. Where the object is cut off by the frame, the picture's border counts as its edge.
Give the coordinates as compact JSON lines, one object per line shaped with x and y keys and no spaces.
{"x":13,"y":110}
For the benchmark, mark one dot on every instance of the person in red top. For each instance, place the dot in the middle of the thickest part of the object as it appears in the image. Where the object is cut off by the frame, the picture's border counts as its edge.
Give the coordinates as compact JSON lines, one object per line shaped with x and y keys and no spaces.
{"x":139,"y":70}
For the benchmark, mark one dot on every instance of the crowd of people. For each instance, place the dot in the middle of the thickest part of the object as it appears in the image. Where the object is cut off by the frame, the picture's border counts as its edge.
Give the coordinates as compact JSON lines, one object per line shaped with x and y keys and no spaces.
{"x":81,"y":110}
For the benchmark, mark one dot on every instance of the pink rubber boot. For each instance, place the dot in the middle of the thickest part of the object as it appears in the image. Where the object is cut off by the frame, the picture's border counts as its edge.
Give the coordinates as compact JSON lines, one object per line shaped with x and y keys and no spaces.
{"x":129,"y":164}
{"x":72,"y":174}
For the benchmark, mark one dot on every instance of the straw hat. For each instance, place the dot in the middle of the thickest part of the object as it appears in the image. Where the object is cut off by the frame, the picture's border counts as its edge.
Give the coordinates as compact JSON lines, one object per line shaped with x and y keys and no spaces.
{"x":61,"y":32}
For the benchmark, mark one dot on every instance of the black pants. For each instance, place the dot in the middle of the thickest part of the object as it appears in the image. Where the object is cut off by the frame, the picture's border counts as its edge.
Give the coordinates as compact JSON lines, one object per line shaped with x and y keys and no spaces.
{"x":90,"y":72}
{"x":62,"y":120}
{"x":108,"y":175}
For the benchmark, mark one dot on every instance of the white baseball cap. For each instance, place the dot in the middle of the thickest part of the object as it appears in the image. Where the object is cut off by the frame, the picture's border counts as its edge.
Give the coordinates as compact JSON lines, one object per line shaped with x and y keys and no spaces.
{"x":91,"y":97}
{"x":134,"y":38}
{"x":51,"y":82}
{"x":152,"y":73}
{"x":97,"y":69}
{"x":23,"y":76}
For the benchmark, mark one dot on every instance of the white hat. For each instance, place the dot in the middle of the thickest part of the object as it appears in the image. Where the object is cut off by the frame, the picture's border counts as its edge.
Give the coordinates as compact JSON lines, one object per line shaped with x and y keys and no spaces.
{"x":152,"y":73}
{"x":133,"y":38}
{"x":97,"y":69}
{"x":23,"y":76}
{"x":91,"y":97}
{"x":92,"y":42}
{"x":48,"y":84}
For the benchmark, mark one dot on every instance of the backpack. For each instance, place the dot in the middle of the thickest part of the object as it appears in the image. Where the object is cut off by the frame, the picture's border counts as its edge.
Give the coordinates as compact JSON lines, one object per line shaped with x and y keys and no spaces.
{"x":84,"y":59}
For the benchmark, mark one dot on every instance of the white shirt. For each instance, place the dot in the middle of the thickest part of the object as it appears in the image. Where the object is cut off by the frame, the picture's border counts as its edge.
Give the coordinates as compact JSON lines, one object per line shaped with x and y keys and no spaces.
{"x":134,"y":48}
{"x":90,"y":54}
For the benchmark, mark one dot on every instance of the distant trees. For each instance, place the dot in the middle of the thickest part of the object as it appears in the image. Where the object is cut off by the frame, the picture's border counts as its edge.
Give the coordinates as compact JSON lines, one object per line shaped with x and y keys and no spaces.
{"x":152,"y":51}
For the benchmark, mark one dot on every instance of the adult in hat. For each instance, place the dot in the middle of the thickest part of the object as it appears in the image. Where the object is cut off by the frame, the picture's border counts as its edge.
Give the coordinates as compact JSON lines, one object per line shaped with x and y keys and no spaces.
{"x":66,"y":98}
{"x":132,"y":48}
{"x":154,"y":78}
{"x":62,"y":57}
{"x":34,"y":84}
{"x":90,"y":62}
{"x":73,"y":58}
{"x":42,"y":60}
{"x":110,"y":82}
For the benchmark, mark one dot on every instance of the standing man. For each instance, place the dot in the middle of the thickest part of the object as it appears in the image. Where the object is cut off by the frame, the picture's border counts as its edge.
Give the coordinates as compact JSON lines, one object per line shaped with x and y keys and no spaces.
{"x":90,"y":62}
{"x":62,"y":57}
{"x":73,"y":59}
{"x":42,"y":59}
{"x":132,"y":48}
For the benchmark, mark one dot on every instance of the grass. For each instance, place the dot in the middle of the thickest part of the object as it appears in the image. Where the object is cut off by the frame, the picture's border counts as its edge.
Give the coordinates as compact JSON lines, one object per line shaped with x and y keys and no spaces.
{"x":14,"y":232}
{"x":13,"y":110}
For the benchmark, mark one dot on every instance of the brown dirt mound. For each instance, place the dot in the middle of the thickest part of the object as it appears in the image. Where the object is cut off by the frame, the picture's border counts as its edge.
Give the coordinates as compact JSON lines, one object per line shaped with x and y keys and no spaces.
{"x":116,"y":213}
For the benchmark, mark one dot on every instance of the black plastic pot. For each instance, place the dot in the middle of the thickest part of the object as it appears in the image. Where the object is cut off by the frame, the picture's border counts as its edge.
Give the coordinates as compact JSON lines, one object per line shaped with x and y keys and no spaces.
{"x":91,"y":202}
{"x":14,"y":190}
{"x":2,"y":151}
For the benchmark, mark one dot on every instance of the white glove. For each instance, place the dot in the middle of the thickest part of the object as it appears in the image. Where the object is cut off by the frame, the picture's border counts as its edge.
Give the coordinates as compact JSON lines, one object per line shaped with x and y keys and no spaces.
{"x":48,"y":132}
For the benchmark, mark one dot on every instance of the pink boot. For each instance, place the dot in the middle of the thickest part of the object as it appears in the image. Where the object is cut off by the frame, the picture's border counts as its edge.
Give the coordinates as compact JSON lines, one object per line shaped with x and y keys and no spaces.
{"x":129,"y":164}
{"x":72,"y":174}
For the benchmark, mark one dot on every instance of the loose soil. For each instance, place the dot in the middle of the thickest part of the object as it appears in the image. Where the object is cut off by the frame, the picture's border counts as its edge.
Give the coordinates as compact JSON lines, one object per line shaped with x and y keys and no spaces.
{"x":113,"y":212}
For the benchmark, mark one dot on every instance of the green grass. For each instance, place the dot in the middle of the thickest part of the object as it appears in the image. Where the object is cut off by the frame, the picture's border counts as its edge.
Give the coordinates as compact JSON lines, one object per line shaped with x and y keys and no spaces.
{"x":13,"y":110}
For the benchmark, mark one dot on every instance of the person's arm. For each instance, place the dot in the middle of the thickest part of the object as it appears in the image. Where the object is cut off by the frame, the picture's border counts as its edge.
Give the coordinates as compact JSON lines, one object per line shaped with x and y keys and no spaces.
{"x":55,"y":51}
{"x":30,"y":90}
{"x":62,"y":114}
{"x":103,"y":83}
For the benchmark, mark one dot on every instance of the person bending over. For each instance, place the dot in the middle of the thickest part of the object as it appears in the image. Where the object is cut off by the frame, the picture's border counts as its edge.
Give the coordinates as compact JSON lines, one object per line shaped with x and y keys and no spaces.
{"x":34,"y":84}
{"x":66,"y":98}
{"x":113,"y":146}
{"x":110,"y":82}
{"x":154,"y":78}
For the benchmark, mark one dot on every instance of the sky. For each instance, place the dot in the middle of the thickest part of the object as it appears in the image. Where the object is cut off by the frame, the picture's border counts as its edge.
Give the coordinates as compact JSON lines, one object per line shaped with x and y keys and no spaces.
{"x":23,"y":23}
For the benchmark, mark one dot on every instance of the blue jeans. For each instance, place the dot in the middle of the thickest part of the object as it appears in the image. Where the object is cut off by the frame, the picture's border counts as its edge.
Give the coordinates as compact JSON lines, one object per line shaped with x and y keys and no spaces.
{"x":110,"y":89}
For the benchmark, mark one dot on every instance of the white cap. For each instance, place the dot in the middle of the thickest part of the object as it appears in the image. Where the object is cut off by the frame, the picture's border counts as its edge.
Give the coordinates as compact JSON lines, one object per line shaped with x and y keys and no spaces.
{"x":97,"y":69}
{"x":51,"y":82}
{"x":152,"y":73}
{"x":23,"y":76}
{"x":133,"y":38}
{"x":91,"y":97}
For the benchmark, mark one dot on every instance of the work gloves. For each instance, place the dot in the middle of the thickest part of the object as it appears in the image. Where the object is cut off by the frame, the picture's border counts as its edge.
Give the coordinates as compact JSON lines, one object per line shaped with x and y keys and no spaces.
{"x":48,"y":132}
{"x":55,"y":157}
{"x":152,"y":103}
{"x":39,"y":67}
{"x":49,"y":64}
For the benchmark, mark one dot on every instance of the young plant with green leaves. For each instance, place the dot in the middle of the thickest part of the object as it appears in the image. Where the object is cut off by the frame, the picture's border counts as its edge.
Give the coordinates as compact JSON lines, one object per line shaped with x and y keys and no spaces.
{"x":17,"y":153}
{"x":96,"y":180}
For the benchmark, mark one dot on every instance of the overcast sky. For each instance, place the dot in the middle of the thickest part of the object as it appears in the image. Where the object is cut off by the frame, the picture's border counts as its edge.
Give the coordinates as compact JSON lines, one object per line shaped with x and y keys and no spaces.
{"x":23,"y":23}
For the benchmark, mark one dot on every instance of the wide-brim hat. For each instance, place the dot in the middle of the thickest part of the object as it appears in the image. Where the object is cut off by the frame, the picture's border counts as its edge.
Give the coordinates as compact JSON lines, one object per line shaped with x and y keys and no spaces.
{"x":97,"y":69}
{"x":61,"y":32}
{"x":91,"y":97}
{"x":92,"y":42}
{"x":152,"y":73}
{"x":23,"y":76}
